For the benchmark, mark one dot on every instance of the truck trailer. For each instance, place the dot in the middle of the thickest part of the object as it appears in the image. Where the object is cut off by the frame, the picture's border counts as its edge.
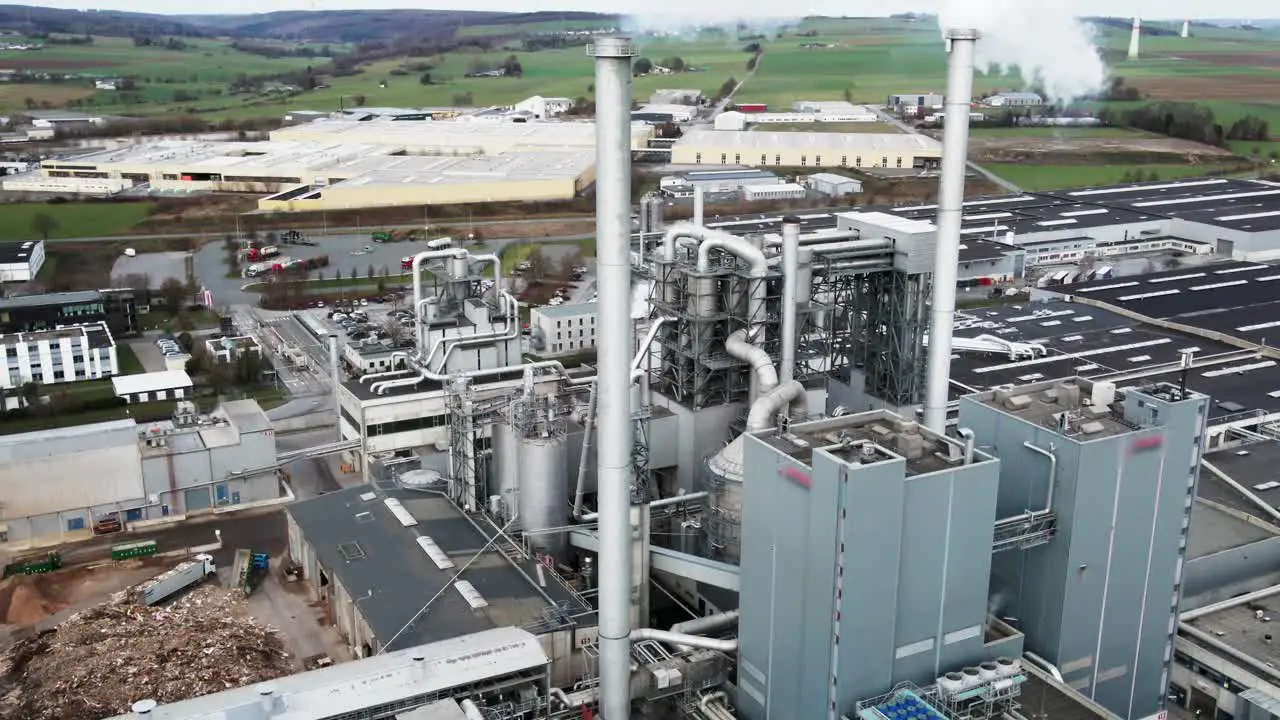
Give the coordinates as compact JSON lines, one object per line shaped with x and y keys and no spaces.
{"x":181,"y":577}
{"x":262,"y":253}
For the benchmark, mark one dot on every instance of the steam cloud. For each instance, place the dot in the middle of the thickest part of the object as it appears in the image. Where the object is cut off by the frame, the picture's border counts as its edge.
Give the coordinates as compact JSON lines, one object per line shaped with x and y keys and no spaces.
{"x":1044,"y":40}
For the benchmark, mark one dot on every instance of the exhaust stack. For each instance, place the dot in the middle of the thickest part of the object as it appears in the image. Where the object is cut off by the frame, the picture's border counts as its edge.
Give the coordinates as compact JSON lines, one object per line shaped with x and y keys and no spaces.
{"x":1186,"y":28}
{"x":955,"y":153}
{"x":614,"y":471}
{"x":1135,"y":38}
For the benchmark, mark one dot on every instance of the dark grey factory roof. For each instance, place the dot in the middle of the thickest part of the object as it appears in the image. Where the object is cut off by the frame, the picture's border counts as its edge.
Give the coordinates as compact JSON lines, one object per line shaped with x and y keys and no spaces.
{"x":1235,"y":204}
{"x":49,"y":299}
{"x":742,"y":174}
{"x":1051,"y":701}
{"x":1252,"y":466}
{"x":12,"y":253}
{"x":1213,"y":530}
{"x":98,"y":335}
{"x":977,"y":250}
{"x":1240,"y":299}
{"x":390,"y":578}
{"x":1092,"y":342}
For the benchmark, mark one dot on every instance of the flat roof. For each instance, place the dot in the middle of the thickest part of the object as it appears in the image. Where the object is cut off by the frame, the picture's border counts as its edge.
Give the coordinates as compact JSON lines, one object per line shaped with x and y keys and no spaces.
{"x":12,"y":253}
{"x":1213,"y":531}
{"x":833,"y":178}
{"x":977,"y":250}
{"x":1239,"y":627}
{"x":568,"y":309}
{"x":1253,"y":466}
{"x":95,"y":333}
{"x":745,"y":173}
{"x":460,"y":133}
{"x":1092,"y":342}
{"x":381,"y":564}
{"x":67,"y":432}
{"x":246,"y":415}
{"x":1042,"y":407}
{"x":863,"y":142}
{"x":49,"y":299}
{"x":1053,"y":701}
{"x":1244,"y":205}
{"x":151,"y":382}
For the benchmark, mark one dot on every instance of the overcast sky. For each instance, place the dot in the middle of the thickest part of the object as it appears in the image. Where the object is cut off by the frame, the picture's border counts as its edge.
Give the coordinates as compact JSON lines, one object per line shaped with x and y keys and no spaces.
{"x":1244,"y":9}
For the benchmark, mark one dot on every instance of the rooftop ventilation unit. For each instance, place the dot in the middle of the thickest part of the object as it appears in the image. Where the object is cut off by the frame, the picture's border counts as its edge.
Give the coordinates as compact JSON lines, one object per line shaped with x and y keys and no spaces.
{"x":434,"y":552}
{"x":471,"y":595}
{"x":400,"y":513}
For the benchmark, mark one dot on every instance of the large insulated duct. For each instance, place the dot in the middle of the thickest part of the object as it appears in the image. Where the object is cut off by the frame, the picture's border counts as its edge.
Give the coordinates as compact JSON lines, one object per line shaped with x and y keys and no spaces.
{"x":744,"y":249}
{"x":336,"y":378}
{"x":1135,"y":38}
{"x":764,"y":410}
{"x":955,"y":152}
{"x":613,"y":455}
{"x":790,"y":280}
{"x":764,"y":375}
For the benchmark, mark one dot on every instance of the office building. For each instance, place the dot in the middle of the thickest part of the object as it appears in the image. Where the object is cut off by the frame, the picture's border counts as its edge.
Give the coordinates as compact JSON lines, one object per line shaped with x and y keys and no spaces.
{"x":21,"y":261}
{"x":49,"y":357}
{"x":566,"y":329}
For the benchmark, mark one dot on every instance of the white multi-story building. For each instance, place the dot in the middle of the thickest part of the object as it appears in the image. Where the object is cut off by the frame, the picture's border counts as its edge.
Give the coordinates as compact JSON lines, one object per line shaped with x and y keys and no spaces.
{"x":67,"y":354}
{"x":564,"y":329}
{"x":544,"y":107}
{"x":783,"y":191}
{"x":21,"y":261}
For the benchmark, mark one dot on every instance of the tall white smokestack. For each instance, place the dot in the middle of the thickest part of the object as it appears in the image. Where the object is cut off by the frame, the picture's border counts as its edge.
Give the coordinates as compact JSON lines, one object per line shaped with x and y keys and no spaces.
{"x":613,"y":455}
{"x":1186,"y":28}
{"x":955,"y":154}
{"x":1135,"y":38}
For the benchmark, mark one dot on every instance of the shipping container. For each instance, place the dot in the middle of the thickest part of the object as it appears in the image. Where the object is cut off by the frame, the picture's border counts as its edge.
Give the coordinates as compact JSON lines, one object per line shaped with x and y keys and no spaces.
{"x":184,"y":575}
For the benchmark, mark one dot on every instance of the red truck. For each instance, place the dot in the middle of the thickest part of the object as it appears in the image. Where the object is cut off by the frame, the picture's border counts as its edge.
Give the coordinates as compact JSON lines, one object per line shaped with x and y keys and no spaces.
{"x":406,"y":263}
{"x":262,"y":253}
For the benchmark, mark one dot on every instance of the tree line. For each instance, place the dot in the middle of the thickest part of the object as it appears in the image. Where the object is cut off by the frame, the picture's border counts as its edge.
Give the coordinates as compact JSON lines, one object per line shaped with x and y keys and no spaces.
{"x":1188,"y":121}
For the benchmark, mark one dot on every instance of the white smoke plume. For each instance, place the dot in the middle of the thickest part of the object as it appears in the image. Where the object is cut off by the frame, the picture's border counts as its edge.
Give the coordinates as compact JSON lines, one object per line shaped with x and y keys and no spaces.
{"x":1050,"y":48}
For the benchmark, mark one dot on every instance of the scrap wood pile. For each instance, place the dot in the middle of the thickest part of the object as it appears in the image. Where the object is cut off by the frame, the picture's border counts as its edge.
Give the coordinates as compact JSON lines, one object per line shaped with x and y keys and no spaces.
{"x":99,"y":661}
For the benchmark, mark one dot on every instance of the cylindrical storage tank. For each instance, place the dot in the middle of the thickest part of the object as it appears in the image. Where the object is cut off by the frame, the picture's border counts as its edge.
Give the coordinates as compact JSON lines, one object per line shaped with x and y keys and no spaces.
{"x":804,"y":278}
{"x":971,"y":677}
{"x":988,"y":672}
{"x":702,"y":297}
{"x":668,"y":290}
{"x":1008,"y":667}
{"x":458,"y":268}
{"x":725,"y":474}
{"x":505,"y":482}
{"x":950,"y":684}
{"x":544,"y":490}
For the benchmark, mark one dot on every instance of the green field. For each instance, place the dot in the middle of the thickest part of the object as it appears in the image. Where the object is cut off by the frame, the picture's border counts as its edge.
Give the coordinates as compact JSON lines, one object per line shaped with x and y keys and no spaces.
{"x":1052,"y":177}
{"x":1053,"y":132}
{"x":73,"y":219}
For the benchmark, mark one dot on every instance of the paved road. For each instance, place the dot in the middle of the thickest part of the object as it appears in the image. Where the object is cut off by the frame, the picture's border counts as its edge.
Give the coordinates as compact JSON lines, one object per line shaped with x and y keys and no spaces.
{"x":261,"y":530}
{"x":336,"y":230}
{"x":886,"y":117}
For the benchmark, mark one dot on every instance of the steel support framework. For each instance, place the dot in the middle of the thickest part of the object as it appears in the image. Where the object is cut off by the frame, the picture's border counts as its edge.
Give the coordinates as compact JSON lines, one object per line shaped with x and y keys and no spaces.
{"x":708,"y":307}
{"x":887,"y":316}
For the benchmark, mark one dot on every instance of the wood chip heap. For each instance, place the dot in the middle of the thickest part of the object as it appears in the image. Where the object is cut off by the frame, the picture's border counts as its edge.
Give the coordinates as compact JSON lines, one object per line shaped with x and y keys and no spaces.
{"x":99,"y":661}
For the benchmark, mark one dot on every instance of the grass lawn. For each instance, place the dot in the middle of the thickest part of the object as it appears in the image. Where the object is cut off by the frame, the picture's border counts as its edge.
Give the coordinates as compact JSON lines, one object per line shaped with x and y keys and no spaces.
{"x":74,"y":220}
{"x":141,"y":412}
{"x":1053,"y":177}
{"x":128,"y":360}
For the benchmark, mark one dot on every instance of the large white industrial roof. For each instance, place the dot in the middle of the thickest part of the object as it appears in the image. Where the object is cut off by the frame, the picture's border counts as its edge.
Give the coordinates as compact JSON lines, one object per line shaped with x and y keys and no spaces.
{"x":150,"y":382}
{"x":860,"y":142}
{"x":456,"y":134}
{"x":385,"y":679}
{"x":421,"y":169}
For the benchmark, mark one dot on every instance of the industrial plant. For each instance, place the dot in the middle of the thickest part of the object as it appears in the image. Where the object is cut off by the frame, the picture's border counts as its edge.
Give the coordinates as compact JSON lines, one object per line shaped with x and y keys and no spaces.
{"x":795,"y":482}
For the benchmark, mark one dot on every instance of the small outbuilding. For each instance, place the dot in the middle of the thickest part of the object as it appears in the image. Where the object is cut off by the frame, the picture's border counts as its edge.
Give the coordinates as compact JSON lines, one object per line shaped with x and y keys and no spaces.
{"x":833,"y":185}
{"x":153,"y":386}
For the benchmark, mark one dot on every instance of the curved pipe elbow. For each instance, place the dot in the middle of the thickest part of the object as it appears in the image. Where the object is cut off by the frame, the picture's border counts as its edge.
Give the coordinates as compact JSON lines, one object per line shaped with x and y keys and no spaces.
{"x":697,"y":641}
{"x":740,"y":348}
{"x":739,"y":246}
{"x":787,"y":395}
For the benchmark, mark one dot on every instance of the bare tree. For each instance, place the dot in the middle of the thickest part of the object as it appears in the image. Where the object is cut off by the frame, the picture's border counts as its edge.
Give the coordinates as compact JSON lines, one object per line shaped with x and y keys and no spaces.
{"x":394,"y":331}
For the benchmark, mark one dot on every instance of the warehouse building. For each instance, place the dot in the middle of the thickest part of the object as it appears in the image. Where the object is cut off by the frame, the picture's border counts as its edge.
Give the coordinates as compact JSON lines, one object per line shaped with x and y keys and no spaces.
{"x":58,"y":483}
{"x":833,"y":185}
{"x":915,"y":100}
{"x":1014,"y":99}
{"x":21,"y":261}
{"x":52,"y":357}
{"x":718,"y":181}
{"x":455,"y":138}
{"x":153,"y":386}
{"x":677,"y":112}
{"x":805,"y":149}
{"x":567,"y":329}
{"x":780,"y":191}
{"x":374,"y":557}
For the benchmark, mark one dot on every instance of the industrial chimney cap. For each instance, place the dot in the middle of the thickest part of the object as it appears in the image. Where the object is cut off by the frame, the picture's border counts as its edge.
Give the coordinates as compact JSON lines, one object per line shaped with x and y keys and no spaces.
{"x":963,"y":34}
{"x":612,"y":47}
{"x":790,"y":220}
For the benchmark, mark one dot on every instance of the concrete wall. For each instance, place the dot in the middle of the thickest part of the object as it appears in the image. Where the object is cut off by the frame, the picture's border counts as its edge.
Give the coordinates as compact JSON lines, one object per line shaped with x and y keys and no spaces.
{"x":1217,"y":577}
{"x":828,"y":150}
{"x":701,"y":435}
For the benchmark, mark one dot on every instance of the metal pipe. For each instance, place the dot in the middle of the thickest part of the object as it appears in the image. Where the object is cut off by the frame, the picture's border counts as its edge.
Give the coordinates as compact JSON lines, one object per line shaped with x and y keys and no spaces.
{"x":1217,"y":644}
{"x":764,"y":374}
{"x":470,"y":710}
{"x":416,"y":269}
{"x":849,"y":246}
{"x":661,"y":503}
{"x":821,"y":268}
{"x":509,"y":331}
{"x":699,"y":204}
{"x":713,"y":711}
{"x":1048,"y":666}
{"x":766,"y":408}
{"x":1053,"y":472}
{"x":613,"y":458}
{"x":696,"y":641}
{"x":397,"y":355}
{"x":337,"y":382}
{"x":790,"y":279}
{"x":1266,"y":592}
{"x":955,"y":149}
{"x":967,"y":435}
{"x":1135,"y":39}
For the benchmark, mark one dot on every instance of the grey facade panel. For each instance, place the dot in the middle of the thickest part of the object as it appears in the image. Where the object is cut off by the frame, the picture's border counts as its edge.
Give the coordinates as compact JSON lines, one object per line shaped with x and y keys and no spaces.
{"x":1217,"y":577}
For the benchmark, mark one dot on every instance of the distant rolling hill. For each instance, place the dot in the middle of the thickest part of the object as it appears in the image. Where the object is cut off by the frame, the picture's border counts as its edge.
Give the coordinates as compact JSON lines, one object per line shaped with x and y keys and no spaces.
{"x":31,"y":19}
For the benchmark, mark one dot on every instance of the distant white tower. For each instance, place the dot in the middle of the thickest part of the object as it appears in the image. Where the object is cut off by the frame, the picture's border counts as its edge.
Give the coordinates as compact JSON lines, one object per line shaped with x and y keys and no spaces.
{"x":1134,"y":38}
{"x":1186,"y":28}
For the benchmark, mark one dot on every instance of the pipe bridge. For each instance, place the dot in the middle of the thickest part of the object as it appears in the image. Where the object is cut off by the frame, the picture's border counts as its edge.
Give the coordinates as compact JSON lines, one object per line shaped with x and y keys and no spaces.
{"x":285,"y":458}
